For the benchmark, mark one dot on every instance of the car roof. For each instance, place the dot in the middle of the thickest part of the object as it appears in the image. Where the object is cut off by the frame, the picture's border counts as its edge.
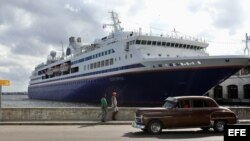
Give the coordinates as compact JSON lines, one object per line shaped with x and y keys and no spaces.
{"x":186,"y":98}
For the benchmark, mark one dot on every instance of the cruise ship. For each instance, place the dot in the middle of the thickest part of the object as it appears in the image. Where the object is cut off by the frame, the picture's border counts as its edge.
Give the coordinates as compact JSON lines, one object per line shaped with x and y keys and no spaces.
{"x":144,"y":69}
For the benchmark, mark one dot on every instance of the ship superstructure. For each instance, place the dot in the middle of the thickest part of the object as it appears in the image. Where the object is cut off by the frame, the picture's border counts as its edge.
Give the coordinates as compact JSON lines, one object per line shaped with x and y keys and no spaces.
{"x":142,"y":68}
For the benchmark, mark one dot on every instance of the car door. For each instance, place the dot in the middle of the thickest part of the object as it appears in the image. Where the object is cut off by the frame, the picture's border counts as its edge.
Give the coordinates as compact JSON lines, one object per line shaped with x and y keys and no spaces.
{"x":182,"y":115}
{"x":200,"y":113}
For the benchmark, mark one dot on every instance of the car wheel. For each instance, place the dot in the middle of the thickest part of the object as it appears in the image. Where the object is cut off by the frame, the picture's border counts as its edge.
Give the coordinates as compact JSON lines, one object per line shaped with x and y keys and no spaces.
{"x":154,"y":127}
{"x":205,"y":128}
{"x":219,"y":126}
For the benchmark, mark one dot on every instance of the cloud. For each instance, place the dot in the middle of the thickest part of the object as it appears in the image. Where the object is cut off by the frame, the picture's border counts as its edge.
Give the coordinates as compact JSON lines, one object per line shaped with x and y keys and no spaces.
{"x":225,"y":14}
{"x":30,"y":29}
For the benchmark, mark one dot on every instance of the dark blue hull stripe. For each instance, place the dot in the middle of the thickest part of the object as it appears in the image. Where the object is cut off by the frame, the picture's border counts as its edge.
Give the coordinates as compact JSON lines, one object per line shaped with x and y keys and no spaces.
{"x":144,"y":88}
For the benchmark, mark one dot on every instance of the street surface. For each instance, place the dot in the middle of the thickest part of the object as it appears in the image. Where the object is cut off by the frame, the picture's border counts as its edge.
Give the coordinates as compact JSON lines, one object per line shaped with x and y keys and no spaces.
{"x":99,"y":133}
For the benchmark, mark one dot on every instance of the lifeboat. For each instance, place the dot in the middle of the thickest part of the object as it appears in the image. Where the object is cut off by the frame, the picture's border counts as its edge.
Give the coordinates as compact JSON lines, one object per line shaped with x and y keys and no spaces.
{"x":64,"y":67}
{"x":56,"y":69}
{"x":49,"y":71}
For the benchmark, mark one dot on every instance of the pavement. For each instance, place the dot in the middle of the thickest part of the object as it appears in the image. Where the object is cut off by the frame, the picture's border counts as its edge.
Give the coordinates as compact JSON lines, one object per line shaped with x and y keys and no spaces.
{"x":66,"y":123}
{"x":242,"y":121}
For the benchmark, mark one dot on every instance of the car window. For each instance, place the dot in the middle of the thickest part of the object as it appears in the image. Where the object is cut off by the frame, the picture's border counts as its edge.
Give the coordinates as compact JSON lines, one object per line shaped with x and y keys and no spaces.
{"x":199,"y":103}
{"x":184,"y":104}
{"x":169,"y":104}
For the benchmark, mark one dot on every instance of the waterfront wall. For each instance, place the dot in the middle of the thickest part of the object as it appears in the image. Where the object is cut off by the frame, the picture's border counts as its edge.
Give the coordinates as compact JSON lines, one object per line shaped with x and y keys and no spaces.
{"x":79,"y":114}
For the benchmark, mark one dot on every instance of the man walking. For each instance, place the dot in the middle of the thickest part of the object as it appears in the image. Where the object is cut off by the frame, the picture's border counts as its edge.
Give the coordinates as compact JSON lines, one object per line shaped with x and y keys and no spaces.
{"x":114,"y":105}
{"x":104,"y":106}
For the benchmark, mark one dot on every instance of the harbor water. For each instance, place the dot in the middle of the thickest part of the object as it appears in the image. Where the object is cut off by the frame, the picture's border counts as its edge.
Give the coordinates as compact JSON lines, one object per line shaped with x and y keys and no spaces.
{"x":24,"y":101}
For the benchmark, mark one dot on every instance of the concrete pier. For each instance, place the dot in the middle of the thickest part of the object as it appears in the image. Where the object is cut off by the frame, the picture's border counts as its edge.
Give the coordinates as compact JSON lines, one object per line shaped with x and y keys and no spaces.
{"x":62,"y":114}
{"x":80,"y":114}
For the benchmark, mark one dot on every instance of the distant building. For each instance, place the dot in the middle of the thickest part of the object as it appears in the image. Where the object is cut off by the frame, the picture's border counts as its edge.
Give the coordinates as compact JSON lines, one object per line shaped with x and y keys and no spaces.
{"x":15,"y":93}
{"x":234,"y":90}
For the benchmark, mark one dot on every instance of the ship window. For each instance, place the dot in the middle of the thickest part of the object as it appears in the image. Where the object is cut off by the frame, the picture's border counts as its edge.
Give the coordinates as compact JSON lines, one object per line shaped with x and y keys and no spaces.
{"x":143,"y":42}
{"x":84,"y":67}
{"x":126,"y":56}
{"x":91,"y":66}
{"x":106,"y":52}
{"x":102,"y":53}
{"x":102,"y":63}
{"x":163,"y":43}
{"x":119,"y":58}
{"x":106,"y":62}
{"x":168,"y":44}
{"x":176,"y":45}
{"x":95,"y":64}
{"x":131,"y":42}
{"x":149,"y":42}
{"x":158,"y":43}
{"x":154,"y":43}
{"x":111,"y":61}
{"x":138,"y":42}
{"x":109,"y":51}
{"x":98,"y":64}
{"x":75,"y":69}
{"x":191,"y":47}
{"x":88,"y":66}
{"x":188,"y":46}
{"x":172,"y":44}
{"x":184,"y":46}
{"x":148,"y":54}
{"x":180,"y":45}
{"x":131,"y":55}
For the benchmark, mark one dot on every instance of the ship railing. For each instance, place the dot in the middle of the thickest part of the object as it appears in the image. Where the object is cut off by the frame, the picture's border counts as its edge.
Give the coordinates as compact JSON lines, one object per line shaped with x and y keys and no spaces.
{"x":55,"y":59}
{"x":173,"y":35}
{"x":86,"y":49}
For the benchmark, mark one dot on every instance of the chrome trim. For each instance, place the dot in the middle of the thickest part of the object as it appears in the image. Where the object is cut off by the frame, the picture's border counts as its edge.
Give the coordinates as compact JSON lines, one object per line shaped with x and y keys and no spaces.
{"x":212,"y":122}
{"x":135,"y":125}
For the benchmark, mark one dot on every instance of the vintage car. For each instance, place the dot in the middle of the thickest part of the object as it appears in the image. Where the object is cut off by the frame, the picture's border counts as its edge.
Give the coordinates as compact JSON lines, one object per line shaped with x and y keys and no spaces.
{"x":184,"y":112}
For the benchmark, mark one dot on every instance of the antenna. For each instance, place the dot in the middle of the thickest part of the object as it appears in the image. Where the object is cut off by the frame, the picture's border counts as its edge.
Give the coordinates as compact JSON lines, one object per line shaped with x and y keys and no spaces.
{"x":246,"y":50}
{"x":116,"y":23}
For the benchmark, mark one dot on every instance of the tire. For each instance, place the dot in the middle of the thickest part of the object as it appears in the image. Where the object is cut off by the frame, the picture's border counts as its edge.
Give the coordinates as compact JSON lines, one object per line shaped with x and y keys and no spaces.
{"x":219,"y":126}
{"x":154,"y":127}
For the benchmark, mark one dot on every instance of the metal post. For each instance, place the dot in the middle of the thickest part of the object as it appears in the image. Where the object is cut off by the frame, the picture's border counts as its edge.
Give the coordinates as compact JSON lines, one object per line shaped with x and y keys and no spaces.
{"x":246,"y":50}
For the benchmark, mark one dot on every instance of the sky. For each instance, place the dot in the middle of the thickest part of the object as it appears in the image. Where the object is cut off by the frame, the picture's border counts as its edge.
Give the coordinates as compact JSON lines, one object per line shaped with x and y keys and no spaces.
{"x":30,"y":29}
